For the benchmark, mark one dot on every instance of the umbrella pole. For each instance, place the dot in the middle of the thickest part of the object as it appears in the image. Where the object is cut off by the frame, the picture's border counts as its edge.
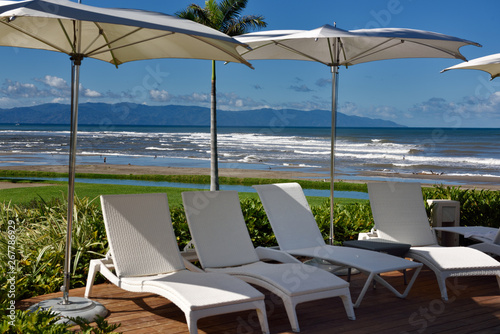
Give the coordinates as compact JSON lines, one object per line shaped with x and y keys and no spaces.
{"x":214,"y":163}
{"x":73,"y":307}
{"x":65,"y":307}
{"x":335,"y":70}
{"x":75,"y":79}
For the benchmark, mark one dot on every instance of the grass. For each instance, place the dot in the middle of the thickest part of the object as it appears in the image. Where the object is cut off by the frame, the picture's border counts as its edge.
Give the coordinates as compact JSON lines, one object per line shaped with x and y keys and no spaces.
{"x":200,"y":179}
{"x":60,"y":189}
{"x":91,"y":190}
{"x":26,"y":195}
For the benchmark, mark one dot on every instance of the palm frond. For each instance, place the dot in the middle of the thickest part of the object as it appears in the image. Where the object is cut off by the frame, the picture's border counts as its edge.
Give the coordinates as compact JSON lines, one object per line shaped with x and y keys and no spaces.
{"x":197,"y":14}
{"x":214,"y":14}
{"x":244,"y":25}
{"x":232,"y":9}
{"x":224,"y":16}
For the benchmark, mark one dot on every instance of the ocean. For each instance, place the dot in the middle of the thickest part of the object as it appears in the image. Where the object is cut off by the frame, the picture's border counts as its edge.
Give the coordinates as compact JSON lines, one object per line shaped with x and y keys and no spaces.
{"x":416,"y":151}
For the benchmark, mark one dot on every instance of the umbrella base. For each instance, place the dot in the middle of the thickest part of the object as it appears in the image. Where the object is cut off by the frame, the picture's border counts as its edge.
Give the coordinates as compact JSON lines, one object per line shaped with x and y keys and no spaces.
{"x":334,"y":269}
{"x":77,"y":307}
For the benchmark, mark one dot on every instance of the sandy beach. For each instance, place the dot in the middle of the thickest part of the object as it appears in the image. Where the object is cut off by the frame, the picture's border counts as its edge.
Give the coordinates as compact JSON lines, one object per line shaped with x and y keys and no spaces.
{"x":465,"y":182}
{"x":156,"y":170}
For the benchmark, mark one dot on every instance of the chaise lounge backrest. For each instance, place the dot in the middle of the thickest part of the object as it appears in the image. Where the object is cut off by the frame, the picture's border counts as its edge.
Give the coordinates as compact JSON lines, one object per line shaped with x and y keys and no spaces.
{"x":142,"y":242}
{"x":400,"y":218}
{"x":225,"y":242}
{"x":290,"y":215}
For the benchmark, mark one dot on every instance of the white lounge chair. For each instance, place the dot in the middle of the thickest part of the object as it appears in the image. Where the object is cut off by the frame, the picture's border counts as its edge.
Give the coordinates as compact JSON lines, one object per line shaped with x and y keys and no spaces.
{"x":223,"y":245}
{"x":145,"y":258}
{"x":298,"y":234}
{"x":488,"y":238}
{"x":399,"y":215}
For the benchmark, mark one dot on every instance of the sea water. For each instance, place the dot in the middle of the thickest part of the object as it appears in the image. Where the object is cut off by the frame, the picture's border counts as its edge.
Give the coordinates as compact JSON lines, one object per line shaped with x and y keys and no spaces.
{"x":443,"y":151}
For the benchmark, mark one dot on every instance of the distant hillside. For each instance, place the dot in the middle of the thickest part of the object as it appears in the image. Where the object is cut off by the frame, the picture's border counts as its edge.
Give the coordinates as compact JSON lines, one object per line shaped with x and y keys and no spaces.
{"x":136,"y":114}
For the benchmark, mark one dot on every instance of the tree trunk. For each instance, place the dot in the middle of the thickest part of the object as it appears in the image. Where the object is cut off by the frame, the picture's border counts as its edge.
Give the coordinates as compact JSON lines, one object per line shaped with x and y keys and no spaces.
{"x":214,"y":165}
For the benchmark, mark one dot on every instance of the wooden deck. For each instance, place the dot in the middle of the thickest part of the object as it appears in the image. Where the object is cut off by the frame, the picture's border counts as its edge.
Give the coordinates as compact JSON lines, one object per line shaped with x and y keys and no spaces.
{"x":474,"y":307}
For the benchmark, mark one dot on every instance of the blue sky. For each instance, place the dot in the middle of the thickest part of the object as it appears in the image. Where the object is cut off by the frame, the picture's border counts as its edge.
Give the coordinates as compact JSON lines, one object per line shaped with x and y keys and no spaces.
{"x":411,"y":92}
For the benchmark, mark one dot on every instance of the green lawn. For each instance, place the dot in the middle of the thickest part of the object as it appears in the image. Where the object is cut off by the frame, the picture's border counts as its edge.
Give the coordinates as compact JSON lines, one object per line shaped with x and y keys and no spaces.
{"x":25,"y":195}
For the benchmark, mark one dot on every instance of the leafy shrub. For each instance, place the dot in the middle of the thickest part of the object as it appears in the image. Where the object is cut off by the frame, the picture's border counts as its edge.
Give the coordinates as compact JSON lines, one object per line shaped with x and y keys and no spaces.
{"x":33,"y":322}
{"x":477,"y":207}
{"x":258,"y":225}
{"x":40,"y":240}
{"x":45,"y":322}
{"x":348,"y":219}
{"x":180,"y":225}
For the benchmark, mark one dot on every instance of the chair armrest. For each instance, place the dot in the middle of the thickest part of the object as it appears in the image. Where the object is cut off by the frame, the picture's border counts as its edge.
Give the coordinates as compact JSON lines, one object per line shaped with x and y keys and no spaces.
{"x":190,"y":266}
{"x":265,"y":253}
{"x":189,"y":255}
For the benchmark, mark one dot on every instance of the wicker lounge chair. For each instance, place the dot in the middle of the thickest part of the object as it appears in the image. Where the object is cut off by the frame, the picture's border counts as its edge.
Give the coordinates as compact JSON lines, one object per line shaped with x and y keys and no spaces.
{"x":223,"y":245}
{"x":144,"y":257}
{"x":298,"y":234}
{"x":399,"y":214}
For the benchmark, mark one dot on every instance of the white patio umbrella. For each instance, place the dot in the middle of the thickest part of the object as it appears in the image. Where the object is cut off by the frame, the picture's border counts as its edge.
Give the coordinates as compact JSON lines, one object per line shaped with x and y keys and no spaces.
{"x":335,"y":47}
{"x":112,"y":35}
{"x":490,"y":64}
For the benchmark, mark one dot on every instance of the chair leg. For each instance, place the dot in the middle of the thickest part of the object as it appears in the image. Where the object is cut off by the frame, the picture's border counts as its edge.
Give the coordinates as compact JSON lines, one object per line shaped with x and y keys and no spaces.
{"x":349,"y":309}
{"x":292,"y":314}
{"x":365,"y":288}
{"x":442,"y":287}
{"x":192,"y":323}
{"x":393,"y":289}
{"x":94,"y":267}
{"x":261,"y":313}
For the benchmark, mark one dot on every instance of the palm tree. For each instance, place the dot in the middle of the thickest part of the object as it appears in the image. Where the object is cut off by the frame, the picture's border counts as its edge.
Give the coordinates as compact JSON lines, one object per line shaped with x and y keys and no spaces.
{"x":225,"y":17}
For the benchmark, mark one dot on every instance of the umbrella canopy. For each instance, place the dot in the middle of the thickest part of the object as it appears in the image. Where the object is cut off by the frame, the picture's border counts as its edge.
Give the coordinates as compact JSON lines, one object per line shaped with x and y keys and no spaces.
{"x":112,"y":35}
{"x":335,"y":47}
{"x":490,"y":64}
{"x":332,"y":46}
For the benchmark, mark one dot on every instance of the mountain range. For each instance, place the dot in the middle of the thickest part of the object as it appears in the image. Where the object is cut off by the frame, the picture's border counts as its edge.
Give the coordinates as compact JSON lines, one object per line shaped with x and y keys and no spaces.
{"x":176,"y":115}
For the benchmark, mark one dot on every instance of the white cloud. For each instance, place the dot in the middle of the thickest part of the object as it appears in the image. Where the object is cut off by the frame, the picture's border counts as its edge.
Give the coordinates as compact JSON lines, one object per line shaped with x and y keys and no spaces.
{"x":60,"y":100}
{"x":55,"y":82}
{"x":199,"y":97}
{"x":304,"y":105}
{"x":159,"y":95}
{"x":479,"y":110}
{"x":232,"y":101}
{"x":85,"y":92}
{"x":42,"y":90}
{"x":6,"y":102}
{"x":91,"y":93}
{"x":17,"y":89}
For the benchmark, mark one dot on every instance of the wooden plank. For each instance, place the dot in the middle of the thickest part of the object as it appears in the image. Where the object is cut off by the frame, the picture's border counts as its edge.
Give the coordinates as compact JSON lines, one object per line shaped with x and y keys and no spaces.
{"x":474,"y":306}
